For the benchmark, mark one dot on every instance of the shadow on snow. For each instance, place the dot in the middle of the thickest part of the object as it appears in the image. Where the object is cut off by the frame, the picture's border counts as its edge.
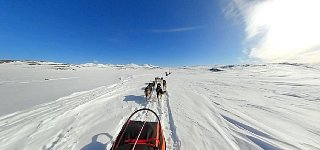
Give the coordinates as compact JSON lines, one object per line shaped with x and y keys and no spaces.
{"x":141,"y":100}
{"x":95,"y":144}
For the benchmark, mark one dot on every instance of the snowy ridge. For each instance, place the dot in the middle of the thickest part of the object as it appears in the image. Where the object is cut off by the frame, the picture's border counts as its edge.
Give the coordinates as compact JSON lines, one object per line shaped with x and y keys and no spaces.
{"x":63,"y":66}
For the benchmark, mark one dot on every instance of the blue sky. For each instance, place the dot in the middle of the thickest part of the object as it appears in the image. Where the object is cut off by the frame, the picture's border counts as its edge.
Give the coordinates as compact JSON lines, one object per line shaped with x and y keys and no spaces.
{"x":161,"y":32}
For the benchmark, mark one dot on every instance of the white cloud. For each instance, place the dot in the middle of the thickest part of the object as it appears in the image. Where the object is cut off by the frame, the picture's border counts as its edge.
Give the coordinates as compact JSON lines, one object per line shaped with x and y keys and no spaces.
{"x":280,"y":30}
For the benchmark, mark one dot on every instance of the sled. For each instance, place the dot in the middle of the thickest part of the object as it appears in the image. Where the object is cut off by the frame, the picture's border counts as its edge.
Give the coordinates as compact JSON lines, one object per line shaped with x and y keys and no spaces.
{"x":140,"y":135}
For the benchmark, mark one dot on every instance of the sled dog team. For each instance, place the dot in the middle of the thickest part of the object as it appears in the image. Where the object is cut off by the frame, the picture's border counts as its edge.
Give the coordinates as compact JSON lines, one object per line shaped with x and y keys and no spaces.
{"x":167,"y":73}
{"x":160,"y":85}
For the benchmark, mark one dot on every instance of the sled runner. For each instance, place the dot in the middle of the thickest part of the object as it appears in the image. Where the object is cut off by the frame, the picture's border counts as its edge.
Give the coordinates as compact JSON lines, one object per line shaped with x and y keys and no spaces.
{"x":140,"y":135}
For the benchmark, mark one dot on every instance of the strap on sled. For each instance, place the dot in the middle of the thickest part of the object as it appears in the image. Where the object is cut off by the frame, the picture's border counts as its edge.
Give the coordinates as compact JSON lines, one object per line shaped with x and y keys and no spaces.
{"x":145,"y":142}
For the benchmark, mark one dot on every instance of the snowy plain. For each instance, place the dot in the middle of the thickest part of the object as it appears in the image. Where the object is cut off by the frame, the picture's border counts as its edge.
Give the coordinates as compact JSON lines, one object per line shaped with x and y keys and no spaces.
{"x":47,"y":105}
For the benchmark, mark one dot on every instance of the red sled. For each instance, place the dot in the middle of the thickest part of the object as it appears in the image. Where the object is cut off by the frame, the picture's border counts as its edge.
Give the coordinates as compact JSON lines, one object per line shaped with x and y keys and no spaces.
{"x":140,"y":135}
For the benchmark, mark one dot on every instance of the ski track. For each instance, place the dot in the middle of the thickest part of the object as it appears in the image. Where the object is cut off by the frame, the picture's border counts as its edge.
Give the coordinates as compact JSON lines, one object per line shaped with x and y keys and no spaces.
{"x":255,"y":135}
{"x":253,"y":130}
{"x":174,"y":135}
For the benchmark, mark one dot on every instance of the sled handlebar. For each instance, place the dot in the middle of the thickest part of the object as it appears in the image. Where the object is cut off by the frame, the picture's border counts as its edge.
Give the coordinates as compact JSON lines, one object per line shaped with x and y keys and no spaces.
{"x":142,"y":109}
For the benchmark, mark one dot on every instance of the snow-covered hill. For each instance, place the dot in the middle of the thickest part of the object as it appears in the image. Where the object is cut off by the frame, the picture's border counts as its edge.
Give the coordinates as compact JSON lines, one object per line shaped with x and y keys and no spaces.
{"x":271,"y":106}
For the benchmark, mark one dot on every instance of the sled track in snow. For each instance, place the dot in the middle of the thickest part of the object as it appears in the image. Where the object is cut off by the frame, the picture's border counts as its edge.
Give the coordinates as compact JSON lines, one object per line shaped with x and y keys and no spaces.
{"x":164,"y":110}
{"x":174,"y":136}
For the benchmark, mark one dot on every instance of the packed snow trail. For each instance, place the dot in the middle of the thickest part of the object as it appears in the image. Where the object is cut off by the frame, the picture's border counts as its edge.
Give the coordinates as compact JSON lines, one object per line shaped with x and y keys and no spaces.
{"x":163,"y":109}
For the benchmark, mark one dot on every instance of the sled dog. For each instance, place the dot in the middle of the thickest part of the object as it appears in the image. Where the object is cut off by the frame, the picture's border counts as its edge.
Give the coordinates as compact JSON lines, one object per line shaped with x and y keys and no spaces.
{"x":159,"y":91}
{"x":148,"y":92}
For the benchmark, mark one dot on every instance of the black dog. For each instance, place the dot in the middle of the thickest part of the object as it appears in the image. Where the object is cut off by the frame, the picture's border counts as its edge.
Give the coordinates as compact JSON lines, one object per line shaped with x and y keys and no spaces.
{"x":159,"y":91}
{"x":153,"y":84}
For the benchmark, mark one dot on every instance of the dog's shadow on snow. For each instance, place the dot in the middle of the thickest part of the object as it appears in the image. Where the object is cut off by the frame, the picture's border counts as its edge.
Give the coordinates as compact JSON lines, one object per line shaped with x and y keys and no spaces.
{"x":95,"y":144}
{"x":141,"y":100}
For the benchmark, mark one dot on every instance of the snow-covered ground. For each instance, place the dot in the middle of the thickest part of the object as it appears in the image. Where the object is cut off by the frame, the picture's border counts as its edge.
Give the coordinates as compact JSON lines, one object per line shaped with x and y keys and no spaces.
{"x":272,"y":106}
